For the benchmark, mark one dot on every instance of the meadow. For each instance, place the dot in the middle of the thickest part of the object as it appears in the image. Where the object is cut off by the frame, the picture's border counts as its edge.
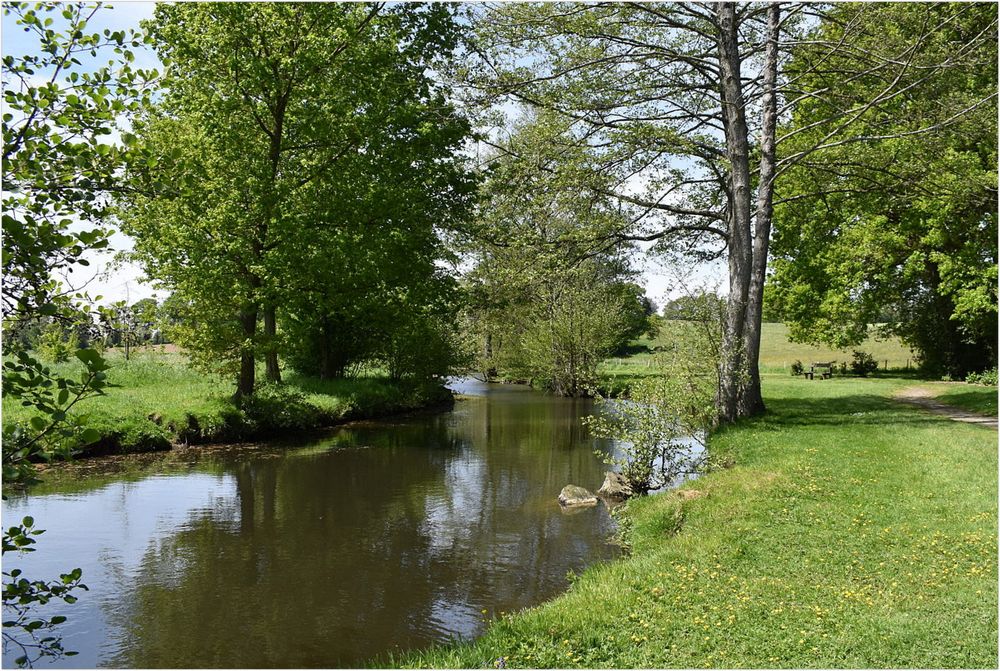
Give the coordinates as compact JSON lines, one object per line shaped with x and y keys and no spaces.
{"x":777,"y":354}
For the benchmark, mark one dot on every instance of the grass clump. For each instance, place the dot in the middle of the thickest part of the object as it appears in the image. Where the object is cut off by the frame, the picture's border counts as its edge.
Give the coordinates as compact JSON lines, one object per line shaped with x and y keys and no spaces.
{"x":852,"y":531}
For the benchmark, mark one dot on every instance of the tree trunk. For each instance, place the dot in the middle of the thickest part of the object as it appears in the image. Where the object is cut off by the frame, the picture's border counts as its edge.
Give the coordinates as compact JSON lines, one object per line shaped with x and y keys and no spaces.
{"x":732,"y":368}
{"x":270,"y":338}
{"x":248,"y":364}
{"x":751,"y":402}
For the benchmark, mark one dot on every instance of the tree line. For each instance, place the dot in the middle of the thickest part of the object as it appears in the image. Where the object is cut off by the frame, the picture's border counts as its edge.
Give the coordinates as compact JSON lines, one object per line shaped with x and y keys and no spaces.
{"x":327,"y":185}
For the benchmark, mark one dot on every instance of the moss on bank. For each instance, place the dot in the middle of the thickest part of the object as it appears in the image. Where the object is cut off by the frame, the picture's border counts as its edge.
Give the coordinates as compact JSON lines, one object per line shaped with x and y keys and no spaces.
{"x":155,"y":400}
{"x":852,"y":531}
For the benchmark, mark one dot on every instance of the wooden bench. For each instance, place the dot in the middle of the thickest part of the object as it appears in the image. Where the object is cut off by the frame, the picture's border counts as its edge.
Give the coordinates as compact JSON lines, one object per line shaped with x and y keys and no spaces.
{"x":826,"y":374}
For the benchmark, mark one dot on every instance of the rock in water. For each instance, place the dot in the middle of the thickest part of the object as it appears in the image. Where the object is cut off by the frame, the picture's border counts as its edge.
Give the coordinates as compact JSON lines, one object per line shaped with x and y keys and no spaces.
{"x":615,"y":487}
{"x":571,"y":495}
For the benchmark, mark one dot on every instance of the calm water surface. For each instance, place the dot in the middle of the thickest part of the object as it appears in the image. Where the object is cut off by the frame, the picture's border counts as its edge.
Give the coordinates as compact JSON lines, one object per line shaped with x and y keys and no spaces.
{"x":383,"y":536}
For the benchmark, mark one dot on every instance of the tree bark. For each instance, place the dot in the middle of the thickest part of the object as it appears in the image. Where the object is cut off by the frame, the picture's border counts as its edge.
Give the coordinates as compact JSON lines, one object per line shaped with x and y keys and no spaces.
{"x":248,"y":364}
{"x":751,"y":401}
{"x":273,"y":372}
{"x":732,"y":367}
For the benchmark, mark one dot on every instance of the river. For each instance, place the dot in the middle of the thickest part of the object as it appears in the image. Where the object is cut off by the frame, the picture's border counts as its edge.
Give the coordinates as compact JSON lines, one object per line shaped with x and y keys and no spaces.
{"x":379,"y":537}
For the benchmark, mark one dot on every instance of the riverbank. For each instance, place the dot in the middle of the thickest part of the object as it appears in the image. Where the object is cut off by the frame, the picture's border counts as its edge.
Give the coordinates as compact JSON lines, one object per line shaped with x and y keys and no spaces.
{"x":852,"y":531}
{"x":155,"y":400}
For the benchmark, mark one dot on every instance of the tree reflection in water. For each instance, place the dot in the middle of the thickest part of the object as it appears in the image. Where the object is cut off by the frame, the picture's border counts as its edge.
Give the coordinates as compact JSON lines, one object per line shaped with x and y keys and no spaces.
{"x":385,"y":536}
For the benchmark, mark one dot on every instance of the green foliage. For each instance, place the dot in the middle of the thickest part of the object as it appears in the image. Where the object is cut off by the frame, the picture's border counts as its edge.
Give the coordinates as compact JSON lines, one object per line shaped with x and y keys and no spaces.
{"x":549,"y":296}
{"x":58,"y":163}
{"x":668,"y":410}
{"x":987,"y":377}
{"x":275,"y":409}
{"x":296,"y":169}
{"x":797,"y":368}
{"x":902,"y":230}
{"x":52,"y":430}
{"x":863,"y":364}
{"x":56,"y":343}
{"x":57,"y":159}
{"x":20,"y":594}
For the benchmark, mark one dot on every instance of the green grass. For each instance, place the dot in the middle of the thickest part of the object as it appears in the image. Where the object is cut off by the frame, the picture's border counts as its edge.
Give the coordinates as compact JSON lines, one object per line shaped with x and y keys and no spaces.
{"x":972,"y":397}
{"x":776,"y":352}
{"x":852,"y":531}
{"x":155,"y":398}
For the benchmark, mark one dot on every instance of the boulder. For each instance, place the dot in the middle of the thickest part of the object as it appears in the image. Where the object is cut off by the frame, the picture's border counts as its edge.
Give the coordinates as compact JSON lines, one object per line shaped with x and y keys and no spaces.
{"x":615,"y":487}
{"x":572,"y":495}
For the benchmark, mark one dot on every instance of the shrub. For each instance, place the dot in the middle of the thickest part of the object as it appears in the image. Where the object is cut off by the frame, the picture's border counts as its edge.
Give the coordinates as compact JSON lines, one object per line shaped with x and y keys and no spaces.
{"x":863,"y":364}
{"x":987,"y":377}
{"x":57,"y":344}
{"x":797,"y":368}
{"x":276,"y":408}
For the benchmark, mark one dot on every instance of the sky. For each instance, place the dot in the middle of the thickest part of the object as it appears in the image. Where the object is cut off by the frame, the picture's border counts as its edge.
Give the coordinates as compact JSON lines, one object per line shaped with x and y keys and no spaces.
{"x":115,"y":281}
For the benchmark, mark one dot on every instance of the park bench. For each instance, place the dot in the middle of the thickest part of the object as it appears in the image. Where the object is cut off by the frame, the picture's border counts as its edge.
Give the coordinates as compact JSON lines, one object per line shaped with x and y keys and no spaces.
{"x":817,"y":367}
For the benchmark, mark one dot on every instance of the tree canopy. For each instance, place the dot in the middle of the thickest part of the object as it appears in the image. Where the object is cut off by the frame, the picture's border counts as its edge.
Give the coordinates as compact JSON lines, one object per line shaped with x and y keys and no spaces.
{"x":900,"y":227}
{"x":300,"y":152}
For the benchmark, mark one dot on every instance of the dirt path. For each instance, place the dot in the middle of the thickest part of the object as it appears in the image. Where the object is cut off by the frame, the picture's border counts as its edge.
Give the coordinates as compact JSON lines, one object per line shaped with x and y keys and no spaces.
{"x":924,"y":398}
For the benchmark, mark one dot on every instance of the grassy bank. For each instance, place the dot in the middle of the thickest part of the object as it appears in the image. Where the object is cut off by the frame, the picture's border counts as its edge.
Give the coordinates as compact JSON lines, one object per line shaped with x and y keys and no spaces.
{"x":852,"y":531}
{"x":156,"y":399}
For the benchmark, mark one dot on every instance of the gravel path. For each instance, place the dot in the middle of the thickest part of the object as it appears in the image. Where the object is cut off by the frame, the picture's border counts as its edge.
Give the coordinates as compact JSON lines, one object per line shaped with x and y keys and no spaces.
{"x":924,"y":398}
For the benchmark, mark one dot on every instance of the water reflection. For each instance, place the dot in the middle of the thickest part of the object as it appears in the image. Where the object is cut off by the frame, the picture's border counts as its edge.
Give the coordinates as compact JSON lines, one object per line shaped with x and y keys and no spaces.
{"x":384,"y":536}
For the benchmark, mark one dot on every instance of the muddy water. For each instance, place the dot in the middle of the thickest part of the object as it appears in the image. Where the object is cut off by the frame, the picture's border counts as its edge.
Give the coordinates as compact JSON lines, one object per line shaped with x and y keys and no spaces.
{"x":380,"y":537}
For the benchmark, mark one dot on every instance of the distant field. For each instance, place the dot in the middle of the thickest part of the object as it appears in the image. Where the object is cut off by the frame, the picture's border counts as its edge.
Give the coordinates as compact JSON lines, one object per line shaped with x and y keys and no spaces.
{"x":776,"y":353}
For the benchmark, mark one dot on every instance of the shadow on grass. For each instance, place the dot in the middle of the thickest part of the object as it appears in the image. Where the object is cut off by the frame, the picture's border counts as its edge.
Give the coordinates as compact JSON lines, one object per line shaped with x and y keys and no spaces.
{"x":864,"y":409}
{"x":982,"y":401}
{"x":632,"y":349}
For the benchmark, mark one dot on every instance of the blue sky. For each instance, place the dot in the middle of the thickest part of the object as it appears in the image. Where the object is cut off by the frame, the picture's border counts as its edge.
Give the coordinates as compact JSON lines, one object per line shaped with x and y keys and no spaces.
{"x":124,"y":281}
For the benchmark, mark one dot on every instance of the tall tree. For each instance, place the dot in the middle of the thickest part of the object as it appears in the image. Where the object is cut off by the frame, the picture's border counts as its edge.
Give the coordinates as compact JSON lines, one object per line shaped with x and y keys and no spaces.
{"x":272,"y":113}
{"x":683,"y":101}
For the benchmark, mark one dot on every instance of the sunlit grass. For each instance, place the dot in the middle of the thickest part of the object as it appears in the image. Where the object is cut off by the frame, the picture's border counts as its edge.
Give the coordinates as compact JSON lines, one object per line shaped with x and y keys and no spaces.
{"x":852,"y":531}
{"x":776,"y":353}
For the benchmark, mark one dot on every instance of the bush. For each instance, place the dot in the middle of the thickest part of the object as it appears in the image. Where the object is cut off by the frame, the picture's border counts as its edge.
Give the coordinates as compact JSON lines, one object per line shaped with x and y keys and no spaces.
{"x":863,"y":364}
{"x":987,"y":377}
{"x":276,"y":408}
{"x":797,"y":368}
{"x":57,"y":344}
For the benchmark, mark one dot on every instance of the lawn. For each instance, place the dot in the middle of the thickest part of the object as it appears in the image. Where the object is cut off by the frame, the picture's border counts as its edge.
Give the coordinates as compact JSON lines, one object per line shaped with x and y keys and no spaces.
{"x":850,"y":531}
